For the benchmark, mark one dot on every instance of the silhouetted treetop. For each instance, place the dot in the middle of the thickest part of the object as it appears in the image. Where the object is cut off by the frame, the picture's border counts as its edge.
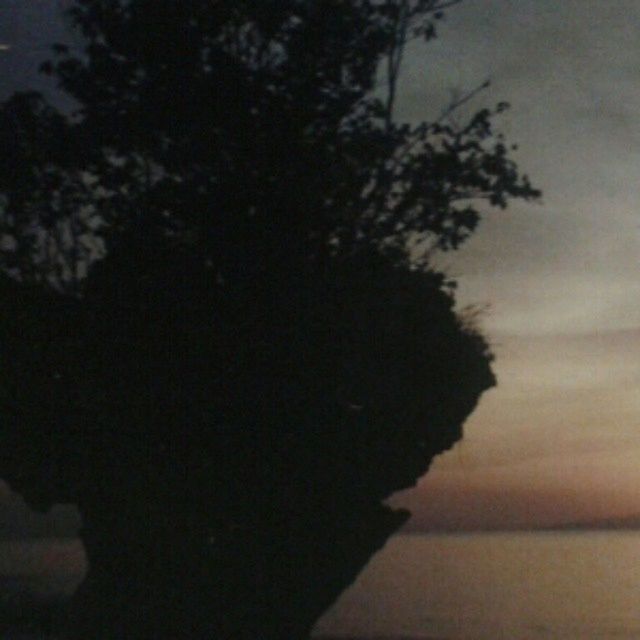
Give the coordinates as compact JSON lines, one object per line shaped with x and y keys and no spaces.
{"x":250,"y":354}
{"x":261,"y":132}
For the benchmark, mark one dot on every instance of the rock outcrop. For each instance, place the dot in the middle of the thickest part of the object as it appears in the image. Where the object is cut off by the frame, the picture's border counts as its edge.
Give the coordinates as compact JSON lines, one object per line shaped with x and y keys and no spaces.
{"x":230,"y":455}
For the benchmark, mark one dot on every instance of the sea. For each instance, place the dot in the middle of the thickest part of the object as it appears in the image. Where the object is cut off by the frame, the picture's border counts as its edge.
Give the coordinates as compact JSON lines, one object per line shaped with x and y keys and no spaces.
{"x":570,"y":585}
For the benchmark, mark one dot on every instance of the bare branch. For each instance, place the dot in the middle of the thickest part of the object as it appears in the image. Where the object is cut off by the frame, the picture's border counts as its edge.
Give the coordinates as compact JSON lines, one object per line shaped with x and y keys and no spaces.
{"x":394,"y":59}
{"x":457,"y":103}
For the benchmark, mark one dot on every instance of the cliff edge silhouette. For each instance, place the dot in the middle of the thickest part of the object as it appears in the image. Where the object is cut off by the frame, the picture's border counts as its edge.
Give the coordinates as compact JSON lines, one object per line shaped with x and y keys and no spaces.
{"x":219,"y":334}
{"x":229,"y":458}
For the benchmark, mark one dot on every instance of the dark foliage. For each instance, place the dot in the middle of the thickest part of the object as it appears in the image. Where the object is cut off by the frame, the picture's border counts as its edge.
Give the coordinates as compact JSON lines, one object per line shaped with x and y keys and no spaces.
{"x":215,"y":337}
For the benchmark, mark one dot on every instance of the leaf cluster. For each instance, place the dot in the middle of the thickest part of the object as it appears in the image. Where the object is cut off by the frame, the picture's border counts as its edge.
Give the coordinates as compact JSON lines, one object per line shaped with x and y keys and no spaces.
{"x":253,"y":130}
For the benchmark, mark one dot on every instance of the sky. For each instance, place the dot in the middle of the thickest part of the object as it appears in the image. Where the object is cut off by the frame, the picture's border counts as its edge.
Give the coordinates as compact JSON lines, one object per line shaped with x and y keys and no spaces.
{"x":558,"y":440}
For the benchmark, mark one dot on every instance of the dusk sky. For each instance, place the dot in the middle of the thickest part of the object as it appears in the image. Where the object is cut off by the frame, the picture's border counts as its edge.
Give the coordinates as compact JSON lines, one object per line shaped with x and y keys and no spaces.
{"x":559,"y":439}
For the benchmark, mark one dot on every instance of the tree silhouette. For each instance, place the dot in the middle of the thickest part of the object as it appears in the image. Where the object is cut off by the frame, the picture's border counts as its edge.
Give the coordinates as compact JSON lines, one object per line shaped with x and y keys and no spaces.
{"x":219,"y":338}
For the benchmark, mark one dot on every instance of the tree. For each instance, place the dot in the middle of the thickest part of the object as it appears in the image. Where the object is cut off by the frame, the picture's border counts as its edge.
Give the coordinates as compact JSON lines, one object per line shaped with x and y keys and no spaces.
{"x":189,"y":116}
{"x":243,"y":346}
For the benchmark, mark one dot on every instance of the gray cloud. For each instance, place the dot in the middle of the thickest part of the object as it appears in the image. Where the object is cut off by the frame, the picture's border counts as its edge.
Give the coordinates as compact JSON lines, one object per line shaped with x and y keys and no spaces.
{"x":570,"y":71}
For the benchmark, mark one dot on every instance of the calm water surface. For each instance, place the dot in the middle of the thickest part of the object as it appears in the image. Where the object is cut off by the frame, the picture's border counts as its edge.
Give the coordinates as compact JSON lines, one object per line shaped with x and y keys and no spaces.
{"x":503,"y":586}
{"x":522,"y":586}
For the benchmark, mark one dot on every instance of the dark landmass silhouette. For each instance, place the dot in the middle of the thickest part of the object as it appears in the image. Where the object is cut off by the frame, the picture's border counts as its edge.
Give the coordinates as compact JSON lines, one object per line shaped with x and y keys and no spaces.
{"x":621,"y":523}
{"x":219,"y":333}
{"x":25,"y":617}
{"x":630,"y":523}
{"x":252,"y":531}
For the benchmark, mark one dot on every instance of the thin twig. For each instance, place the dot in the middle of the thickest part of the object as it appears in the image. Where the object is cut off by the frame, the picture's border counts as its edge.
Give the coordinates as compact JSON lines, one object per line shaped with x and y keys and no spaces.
{"x":456,"y":104}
